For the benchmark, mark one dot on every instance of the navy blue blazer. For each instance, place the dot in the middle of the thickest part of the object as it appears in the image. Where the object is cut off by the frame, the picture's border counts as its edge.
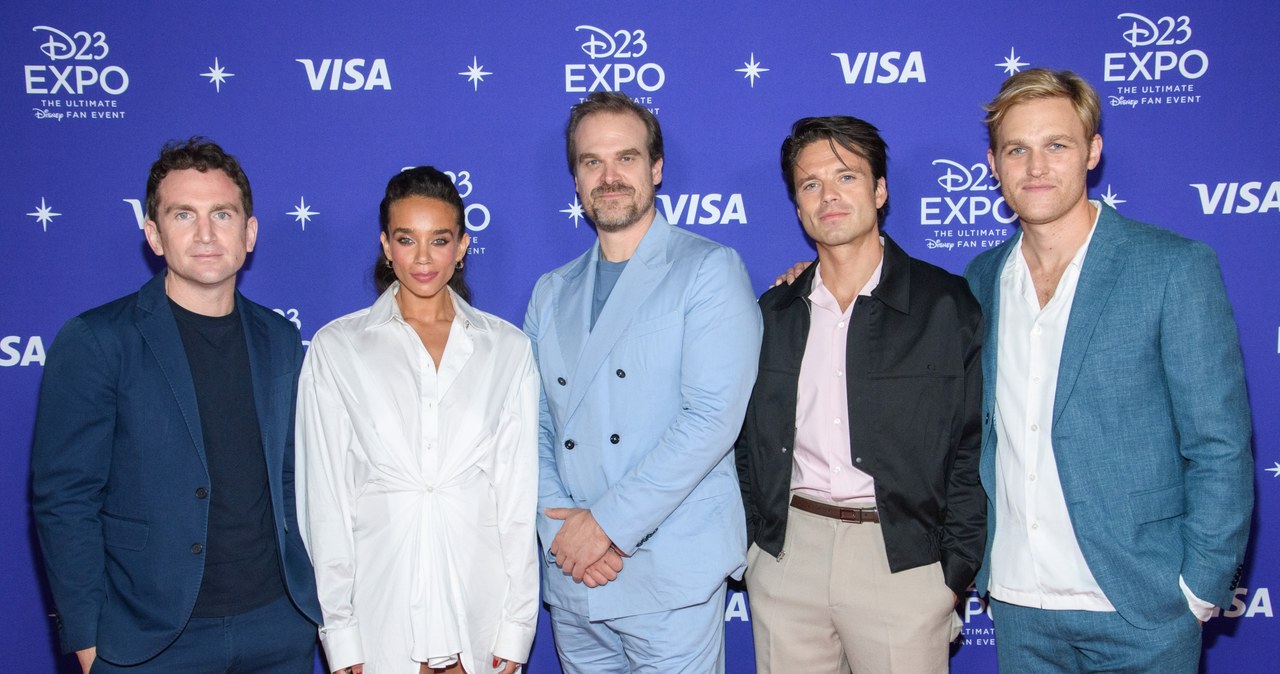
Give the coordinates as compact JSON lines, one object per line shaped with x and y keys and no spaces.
{"x":1151,"y":424}
{"x":119,"y":479}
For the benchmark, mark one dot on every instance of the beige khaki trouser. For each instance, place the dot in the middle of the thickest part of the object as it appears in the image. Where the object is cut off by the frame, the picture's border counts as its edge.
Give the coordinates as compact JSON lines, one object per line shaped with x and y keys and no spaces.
{"x":830,"y":604}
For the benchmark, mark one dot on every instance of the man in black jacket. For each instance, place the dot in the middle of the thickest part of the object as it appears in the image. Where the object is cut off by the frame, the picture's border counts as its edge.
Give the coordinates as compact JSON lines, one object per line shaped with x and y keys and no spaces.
{"x":859,"y":455}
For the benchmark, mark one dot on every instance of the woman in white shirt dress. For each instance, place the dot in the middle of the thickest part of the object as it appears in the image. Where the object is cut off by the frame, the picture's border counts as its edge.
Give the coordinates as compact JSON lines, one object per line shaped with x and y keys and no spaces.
{"x":417,"y":460}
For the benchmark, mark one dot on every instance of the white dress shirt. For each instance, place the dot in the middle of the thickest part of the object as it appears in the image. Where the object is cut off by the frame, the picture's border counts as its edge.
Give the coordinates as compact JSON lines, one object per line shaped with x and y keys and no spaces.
{"x":417,"y":490}
{"x":1035,"y":559}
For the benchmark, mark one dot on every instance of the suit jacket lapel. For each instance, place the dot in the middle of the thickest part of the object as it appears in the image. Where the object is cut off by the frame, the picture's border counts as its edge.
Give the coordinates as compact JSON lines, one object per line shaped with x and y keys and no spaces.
{"x":160,"y":331}
{"x":571,"y":313}
{"x":988,"y":296}
{"x":1102,"y":266}
{"x":642,"y":274}
{"x":990,"y":302}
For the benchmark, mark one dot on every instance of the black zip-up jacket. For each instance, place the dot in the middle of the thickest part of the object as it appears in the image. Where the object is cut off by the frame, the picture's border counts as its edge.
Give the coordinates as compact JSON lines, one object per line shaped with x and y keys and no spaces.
{"x":914,"y":377}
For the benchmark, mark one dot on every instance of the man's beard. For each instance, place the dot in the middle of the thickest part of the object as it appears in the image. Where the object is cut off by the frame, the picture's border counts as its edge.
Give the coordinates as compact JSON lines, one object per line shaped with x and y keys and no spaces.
{"x":620,"y":215}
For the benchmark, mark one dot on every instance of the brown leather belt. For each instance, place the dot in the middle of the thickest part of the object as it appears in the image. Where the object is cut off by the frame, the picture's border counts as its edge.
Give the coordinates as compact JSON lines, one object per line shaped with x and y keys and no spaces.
{"x":850,"y":515}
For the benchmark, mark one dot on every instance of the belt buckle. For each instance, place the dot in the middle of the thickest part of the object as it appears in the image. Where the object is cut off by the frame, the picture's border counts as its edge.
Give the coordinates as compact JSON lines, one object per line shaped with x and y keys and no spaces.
{"x":853,"y":515}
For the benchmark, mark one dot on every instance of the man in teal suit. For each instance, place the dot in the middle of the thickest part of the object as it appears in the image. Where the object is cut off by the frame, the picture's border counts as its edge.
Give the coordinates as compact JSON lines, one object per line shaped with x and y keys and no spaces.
{"x":647,"y":346}
{"x":1116,"y":429}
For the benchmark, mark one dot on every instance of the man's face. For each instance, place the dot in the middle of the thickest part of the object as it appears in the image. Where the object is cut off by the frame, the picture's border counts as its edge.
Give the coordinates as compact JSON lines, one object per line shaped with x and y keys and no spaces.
{"x":1041,"y":159}
{"x":836,"y":196}
{"x":200,"y":229}
{"x":612,"y":172}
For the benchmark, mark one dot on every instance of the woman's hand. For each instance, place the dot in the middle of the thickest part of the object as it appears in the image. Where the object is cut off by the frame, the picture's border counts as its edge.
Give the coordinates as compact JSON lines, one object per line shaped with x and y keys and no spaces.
{"x":507,"y":667}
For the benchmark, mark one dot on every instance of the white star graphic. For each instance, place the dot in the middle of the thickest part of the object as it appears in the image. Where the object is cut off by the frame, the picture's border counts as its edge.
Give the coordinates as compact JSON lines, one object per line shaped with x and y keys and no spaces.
{"x":217,"y":75}
{"x":1275,"y":470}
{"x":574,"y":211}
{"x":1111,"y":198}
{"x":1011,"y":64}
{"x":752,"y":70}
{"x":44,"y":215}
{"x":302,"y":212}
{"x":475,"y":73}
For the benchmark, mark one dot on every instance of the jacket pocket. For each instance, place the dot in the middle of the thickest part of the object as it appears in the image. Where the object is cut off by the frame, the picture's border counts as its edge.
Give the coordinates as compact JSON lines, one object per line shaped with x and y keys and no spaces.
{"x":652,"y":325}
{"x":1153,"y":505}
{"x":127,"y":534}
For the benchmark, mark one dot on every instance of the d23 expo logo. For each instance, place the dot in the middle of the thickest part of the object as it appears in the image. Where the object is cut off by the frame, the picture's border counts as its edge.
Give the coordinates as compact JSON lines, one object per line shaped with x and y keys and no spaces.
{"x":475,"y":215}
{"x":1158,"y":69}
{"x":75,"y":83}
{"x":970,"y":213}
{"x":615,"y":61}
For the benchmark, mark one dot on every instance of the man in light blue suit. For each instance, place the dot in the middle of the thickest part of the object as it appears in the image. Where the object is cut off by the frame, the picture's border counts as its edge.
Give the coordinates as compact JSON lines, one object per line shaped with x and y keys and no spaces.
{"x":647,"y":346}
{"x":1116,"y":429}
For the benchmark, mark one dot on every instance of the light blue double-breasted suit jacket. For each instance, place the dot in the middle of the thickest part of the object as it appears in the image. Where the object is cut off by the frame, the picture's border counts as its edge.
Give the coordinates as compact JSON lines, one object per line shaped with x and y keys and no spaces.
{"x":639,"y":416}
{"x":1151,"y":428}
{"x":120,"y":484}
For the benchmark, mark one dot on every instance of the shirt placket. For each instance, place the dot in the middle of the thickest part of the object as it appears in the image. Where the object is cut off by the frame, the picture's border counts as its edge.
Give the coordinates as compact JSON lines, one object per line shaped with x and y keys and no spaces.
{"x":428,"y":418}
{"x":836,"y":411}
{"x":1034,"y":429}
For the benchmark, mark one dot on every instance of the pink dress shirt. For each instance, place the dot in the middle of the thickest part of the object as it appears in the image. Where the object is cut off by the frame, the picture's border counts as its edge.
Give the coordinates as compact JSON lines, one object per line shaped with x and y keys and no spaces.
{"x":823,"y":459}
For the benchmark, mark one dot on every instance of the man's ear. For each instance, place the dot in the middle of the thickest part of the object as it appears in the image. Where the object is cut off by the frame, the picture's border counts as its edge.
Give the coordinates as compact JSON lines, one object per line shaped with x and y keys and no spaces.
{"x":152,"y":231}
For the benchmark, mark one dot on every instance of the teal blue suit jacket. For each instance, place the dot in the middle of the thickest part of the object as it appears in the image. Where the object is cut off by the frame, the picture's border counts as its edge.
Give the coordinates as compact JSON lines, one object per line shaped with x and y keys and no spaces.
{"x":639,"y":416}
{"x":119,"y":479}
{"x":1151,"y":428}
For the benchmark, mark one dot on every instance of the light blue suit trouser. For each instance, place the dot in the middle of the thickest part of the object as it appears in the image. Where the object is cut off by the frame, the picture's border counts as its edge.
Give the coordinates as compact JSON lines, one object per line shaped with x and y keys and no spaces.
{"x":688,"y":640}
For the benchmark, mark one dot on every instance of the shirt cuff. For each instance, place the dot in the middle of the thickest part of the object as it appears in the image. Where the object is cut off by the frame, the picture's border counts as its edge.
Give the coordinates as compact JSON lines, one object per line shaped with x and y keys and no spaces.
{"x":1200,"y":608}
{"x":513,"y":642}
{"x":342,"y":646}
{"x":442,"y":662}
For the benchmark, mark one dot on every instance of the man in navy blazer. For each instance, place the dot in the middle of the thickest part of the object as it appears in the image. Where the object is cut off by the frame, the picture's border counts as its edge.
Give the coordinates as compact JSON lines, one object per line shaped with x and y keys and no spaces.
{"x":647,"y":347}
{"x":162,"y":466}
{"x":1116,"y":429}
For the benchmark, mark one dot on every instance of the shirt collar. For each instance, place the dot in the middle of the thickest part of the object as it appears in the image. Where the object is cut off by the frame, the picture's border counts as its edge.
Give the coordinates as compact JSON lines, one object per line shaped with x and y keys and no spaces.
{"x":820,"y":295}
{"x":386,"y":310}
{"x":1017,"y":261}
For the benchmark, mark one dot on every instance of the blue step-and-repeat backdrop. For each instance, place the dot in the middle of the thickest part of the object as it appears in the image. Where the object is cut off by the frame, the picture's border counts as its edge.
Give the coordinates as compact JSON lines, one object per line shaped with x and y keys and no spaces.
{"x":324,"y":101}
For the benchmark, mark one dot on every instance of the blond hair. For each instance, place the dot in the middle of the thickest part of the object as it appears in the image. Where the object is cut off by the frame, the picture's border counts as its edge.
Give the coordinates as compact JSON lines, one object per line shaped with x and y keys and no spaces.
{"x":1040,"y":83}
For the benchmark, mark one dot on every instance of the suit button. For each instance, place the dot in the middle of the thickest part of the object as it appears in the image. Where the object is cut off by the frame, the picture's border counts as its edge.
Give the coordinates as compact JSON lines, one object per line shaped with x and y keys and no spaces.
{"x":614,"y":438}
{"x":621,"y":374}
{"x":568,"y":444}
{"x":196,"y":549}
{"x":560,"y":381}
{"x":201,"y":492}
